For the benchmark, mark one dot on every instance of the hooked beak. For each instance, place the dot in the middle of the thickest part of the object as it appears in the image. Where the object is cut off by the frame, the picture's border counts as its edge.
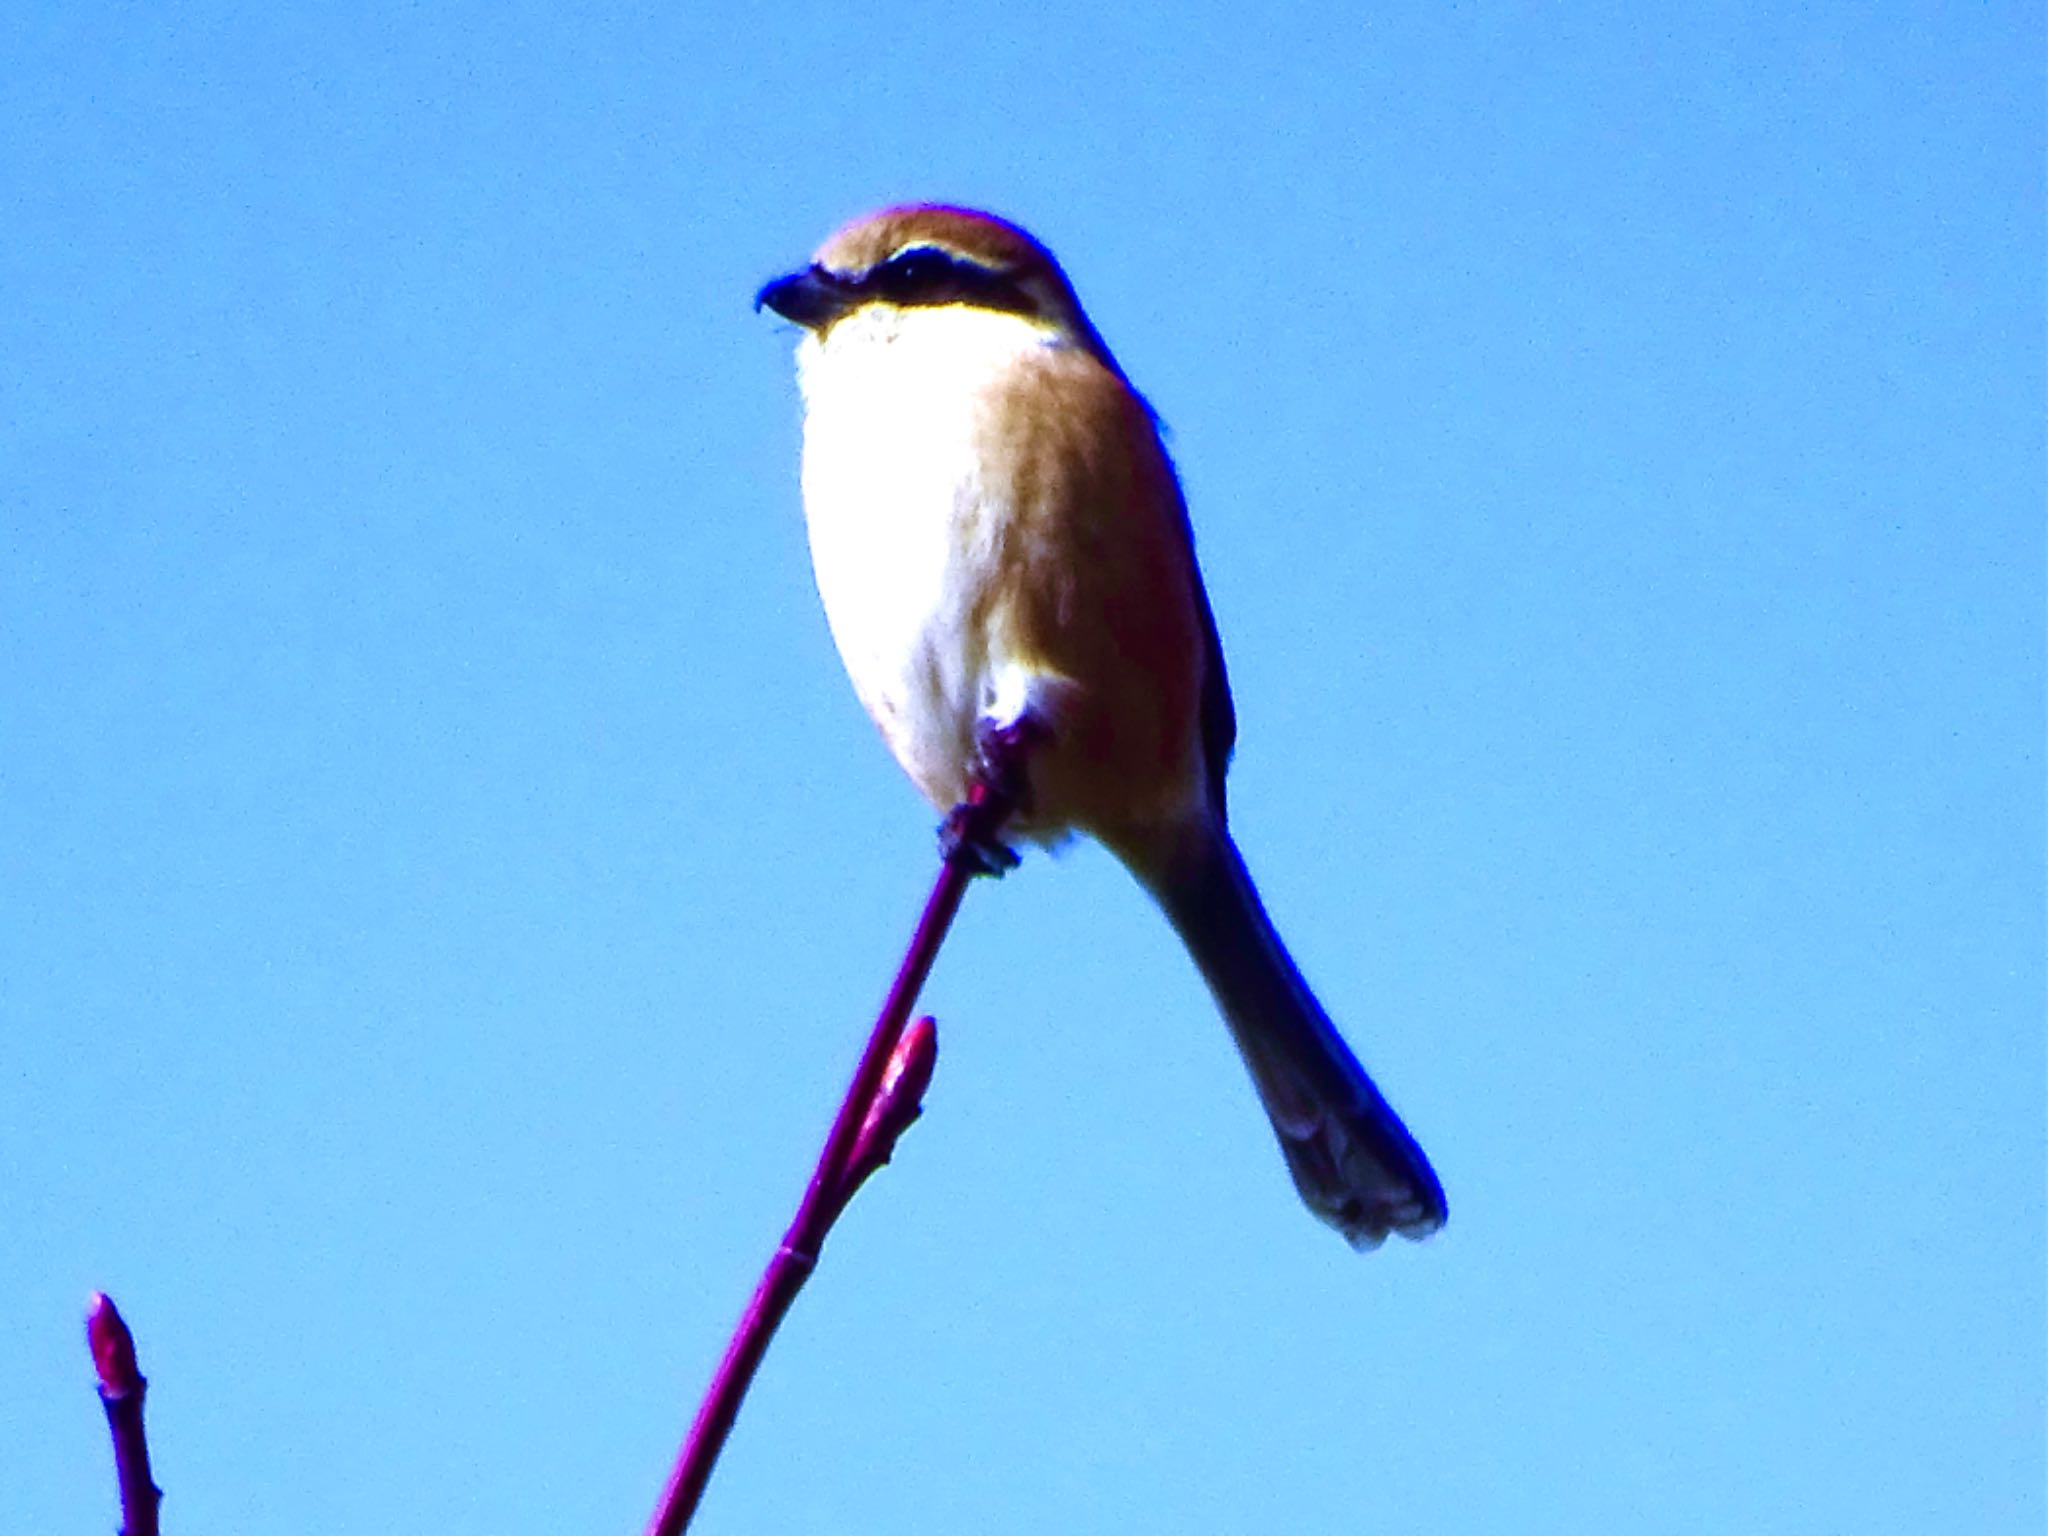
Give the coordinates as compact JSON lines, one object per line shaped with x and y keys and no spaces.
{"x":813,"y":298}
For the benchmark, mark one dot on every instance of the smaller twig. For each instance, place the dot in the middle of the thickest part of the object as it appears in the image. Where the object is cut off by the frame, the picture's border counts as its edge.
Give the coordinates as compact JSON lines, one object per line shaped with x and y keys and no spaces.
{"x":891,"y":1108}
{"x":897,"y":1104}
{"x":122,"y":1386}
{"x":882,"y":1101}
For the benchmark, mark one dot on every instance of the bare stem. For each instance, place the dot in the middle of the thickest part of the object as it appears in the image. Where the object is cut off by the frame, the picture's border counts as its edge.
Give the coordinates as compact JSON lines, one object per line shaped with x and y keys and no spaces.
{"x":880,"y":1104}
{"x":121,"y":1390}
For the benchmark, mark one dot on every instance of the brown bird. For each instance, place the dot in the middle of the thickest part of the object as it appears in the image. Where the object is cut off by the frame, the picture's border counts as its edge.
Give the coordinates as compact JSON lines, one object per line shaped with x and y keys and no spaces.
{"x":1001,"y":545}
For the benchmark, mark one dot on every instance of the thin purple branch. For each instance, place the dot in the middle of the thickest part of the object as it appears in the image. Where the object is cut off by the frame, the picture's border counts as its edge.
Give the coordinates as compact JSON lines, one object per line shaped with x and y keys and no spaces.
{"x":122,"y":1386}
{"x":882,"y":1101}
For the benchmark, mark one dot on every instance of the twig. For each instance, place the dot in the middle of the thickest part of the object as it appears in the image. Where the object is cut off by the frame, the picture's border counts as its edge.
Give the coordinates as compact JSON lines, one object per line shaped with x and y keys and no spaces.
{"x":121,"y":1389}
{"x":882,"y":1101}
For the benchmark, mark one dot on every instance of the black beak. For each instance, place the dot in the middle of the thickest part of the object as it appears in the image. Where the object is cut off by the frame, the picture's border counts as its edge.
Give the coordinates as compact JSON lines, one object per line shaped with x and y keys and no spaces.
{"x":813,"y":298}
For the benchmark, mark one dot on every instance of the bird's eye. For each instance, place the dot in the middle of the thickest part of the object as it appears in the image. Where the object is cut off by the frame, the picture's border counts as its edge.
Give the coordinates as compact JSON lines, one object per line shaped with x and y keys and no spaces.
{"x":923,"y":273}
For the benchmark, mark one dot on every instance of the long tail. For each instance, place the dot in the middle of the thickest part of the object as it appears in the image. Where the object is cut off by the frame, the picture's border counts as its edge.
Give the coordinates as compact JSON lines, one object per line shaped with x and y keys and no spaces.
{"x":1352,"y":1159}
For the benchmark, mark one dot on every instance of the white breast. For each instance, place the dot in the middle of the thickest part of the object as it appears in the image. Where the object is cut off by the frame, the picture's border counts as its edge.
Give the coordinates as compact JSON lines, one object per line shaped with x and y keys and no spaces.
{"x":902,"y":519}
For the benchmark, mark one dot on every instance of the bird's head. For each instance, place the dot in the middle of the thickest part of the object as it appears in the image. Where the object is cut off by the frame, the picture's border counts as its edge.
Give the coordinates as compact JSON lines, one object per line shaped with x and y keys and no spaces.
{"x":931,"y":256}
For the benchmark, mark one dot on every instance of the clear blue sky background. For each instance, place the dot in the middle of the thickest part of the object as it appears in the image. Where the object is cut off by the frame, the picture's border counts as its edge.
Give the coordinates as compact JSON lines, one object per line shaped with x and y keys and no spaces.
{"x":447,"y":879}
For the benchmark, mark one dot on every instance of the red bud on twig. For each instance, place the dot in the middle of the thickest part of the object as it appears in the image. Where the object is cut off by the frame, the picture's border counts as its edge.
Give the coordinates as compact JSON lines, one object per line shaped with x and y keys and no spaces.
{"x":122,"y":1385}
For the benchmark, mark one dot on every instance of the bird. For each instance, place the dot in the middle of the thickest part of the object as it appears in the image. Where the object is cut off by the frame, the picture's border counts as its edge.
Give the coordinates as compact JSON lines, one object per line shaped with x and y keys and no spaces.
{"x":1002,"y":548}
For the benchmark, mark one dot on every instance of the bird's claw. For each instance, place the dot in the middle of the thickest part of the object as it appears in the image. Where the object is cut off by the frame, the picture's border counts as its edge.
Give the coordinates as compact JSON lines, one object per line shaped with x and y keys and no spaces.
{"x":999,"y":789}
{"x":962,"y":842}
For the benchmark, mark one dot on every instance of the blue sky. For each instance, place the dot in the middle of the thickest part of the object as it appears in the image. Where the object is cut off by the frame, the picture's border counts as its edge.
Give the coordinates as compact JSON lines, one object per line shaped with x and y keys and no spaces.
{"x":448,"y":879}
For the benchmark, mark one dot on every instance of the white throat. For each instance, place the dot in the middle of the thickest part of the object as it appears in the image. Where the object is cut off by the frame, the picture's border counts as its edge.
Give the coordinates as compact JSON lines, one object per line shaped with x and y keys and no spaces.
{"x":879,"y":350}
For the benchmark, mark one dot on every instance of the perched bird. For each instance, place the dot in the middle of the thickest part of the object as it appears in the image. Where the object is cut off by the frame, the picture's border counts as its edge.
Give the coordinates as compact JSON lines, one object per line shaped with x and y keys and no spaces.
{"x":1001,"y":545}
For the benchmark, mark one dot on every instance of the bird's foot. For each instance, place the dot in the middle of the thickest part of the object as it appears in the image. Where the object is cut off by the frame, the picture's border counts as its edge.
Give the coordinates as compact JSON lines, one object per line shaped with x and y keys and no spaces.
{"x":961,"y":842}
{"x":999,"y":788}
